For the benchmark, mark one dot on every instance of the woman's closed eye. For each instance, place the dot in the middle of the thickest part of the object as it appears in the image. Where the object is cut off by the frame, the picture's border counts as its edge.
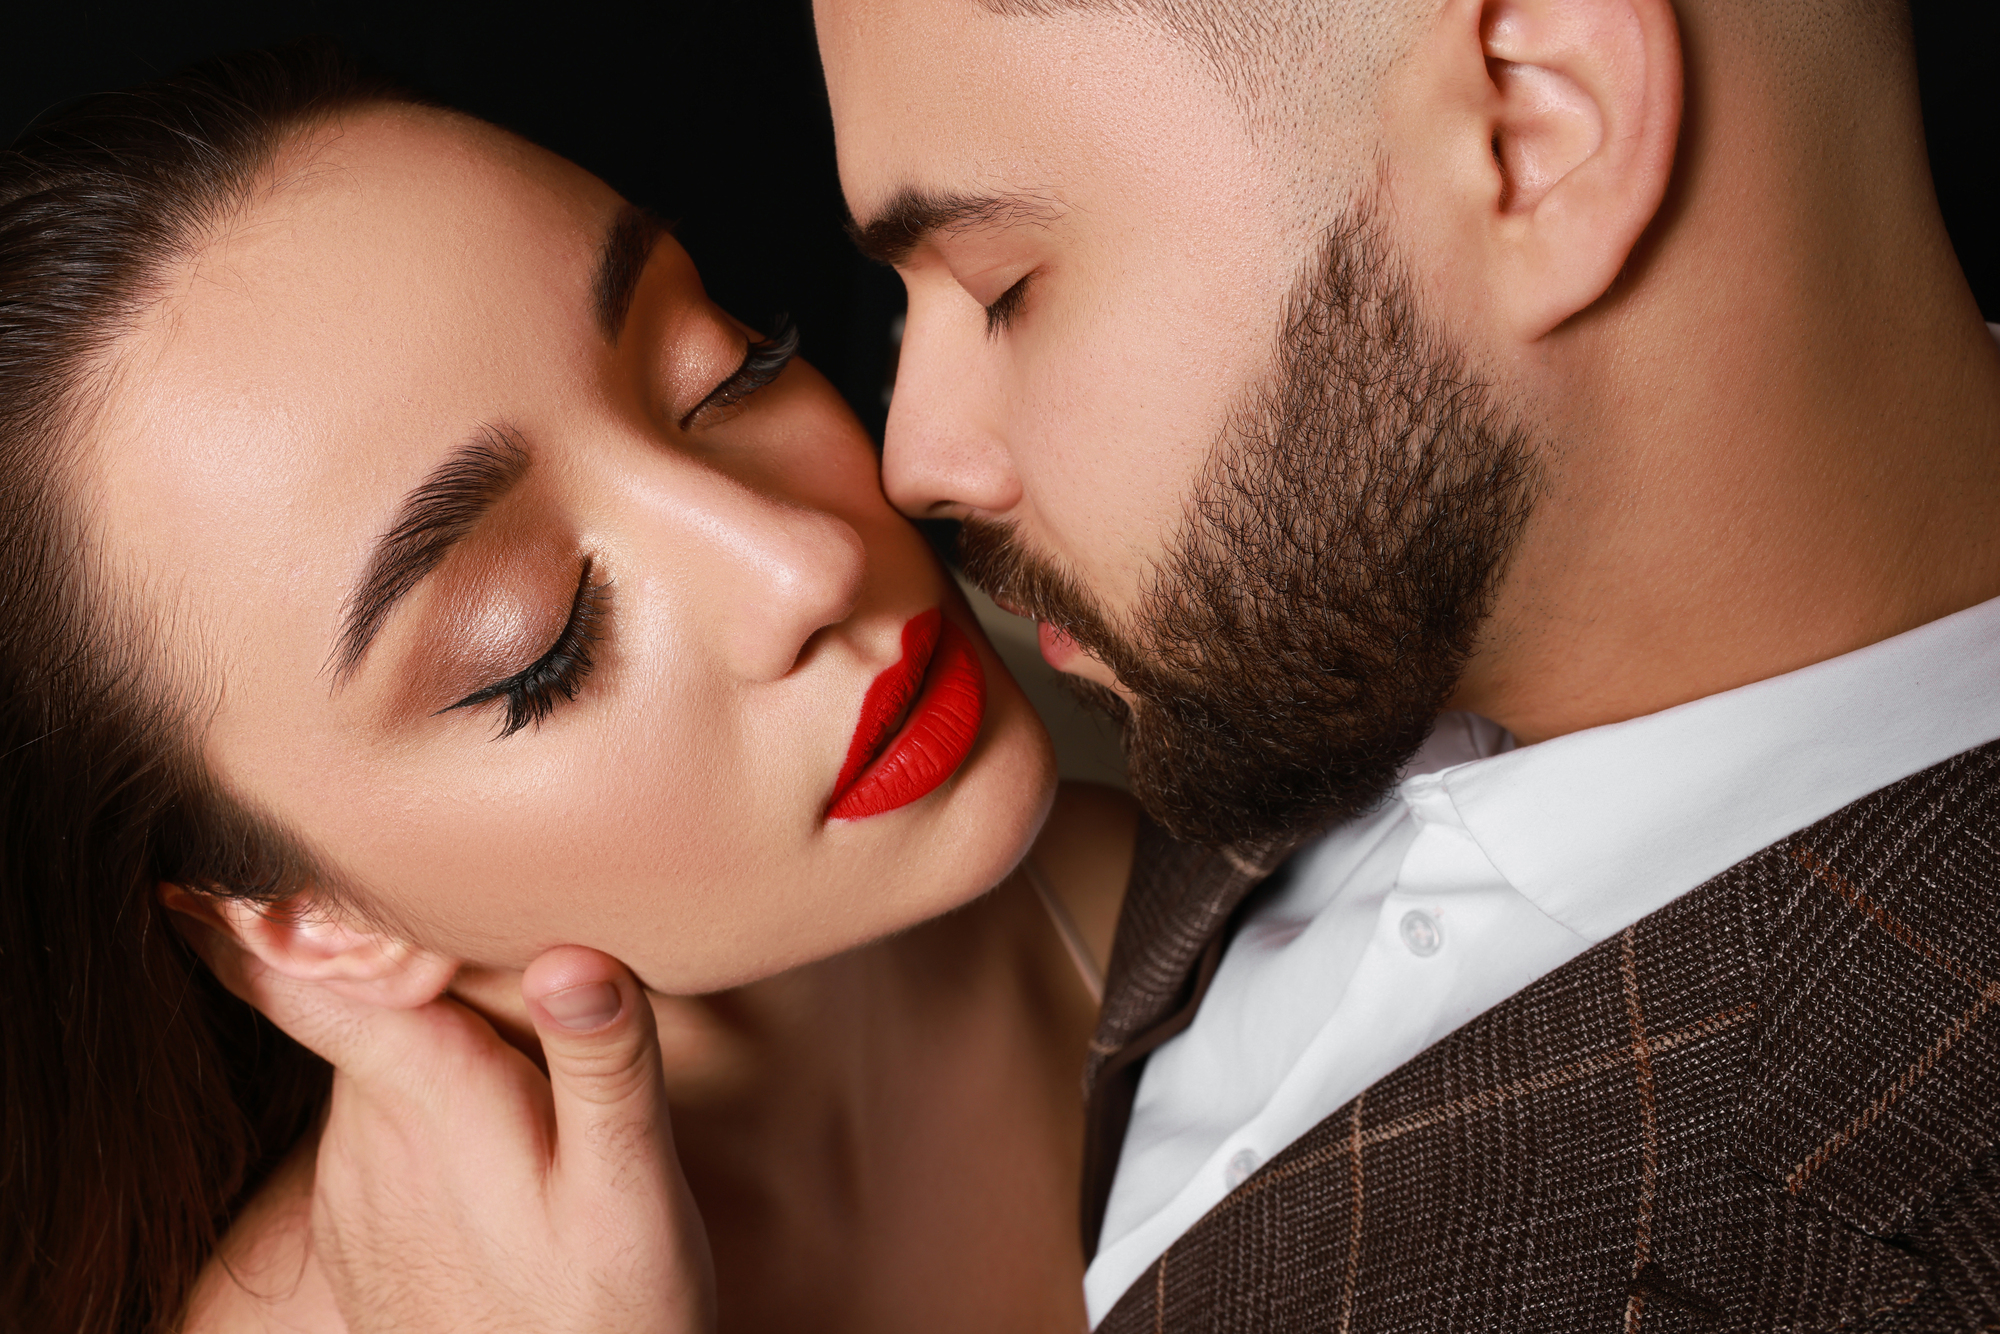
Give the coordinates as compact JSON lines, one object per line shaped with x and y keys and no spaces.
{"x":765,"y":360}
{"x":531,"y":694}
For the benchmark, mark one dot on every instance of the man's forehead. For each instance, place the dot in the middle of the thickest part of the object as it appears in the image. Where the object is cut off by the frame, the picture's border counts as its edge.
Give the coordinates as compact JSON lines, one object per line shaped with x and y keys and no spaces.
{"x":924,"y":94}
{"x":944,"y":100}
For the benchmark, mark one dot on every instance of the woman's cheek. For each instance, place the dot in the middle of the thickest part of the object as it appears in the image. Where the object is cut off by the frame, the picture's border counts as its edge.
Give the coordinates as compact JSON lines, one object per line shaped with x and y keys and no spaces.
{"x":665,"y":798}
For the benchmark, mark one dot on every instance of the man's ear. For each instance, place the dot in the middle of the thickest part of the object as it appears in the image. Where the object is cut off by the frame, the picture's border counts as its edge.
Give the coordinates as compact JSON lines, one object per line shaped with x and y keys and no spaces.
{"x":309,"y":941}
{"x":1583,"y":108}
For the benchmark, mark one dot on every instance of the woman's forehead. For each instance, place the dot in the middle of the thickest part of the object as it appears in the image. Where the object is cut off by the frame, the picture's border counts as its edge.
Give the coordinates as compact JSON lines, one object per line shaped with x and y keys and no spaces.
{"x":405,"y":276}
{"x":399,"y":149}
{"x":404,"y":203}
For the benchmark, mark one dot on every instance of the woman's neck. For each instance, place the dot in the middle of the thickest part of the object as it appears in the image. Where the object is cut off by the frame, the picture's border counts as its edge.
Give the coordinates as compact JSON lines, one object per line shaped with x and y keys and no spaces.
{"x":264,"y":1275}
{"x":731,"y":1045}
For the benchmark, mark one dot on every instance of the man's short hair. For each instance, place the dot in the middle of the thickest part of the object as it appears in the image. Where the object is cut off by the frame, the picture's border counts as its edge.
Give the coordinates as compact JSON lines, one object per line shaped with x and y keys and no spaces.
{"x":1240,"y":38}
{"x":1258,"y":46}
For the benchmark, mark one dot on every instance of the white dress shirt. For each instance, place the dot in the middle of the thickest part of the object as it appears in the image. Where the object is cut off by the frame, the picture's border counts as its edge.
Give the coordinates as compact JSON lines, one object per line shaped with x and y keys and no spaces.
{"x":1489,"y":866}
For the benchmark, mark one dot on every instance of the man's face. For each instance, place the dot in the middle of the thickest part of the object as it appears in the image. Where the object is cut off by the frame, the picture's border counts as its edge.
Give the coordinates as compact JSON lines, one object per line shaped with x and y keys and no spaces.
{"x":1133,"y":221}
{"x":1176,"y":380}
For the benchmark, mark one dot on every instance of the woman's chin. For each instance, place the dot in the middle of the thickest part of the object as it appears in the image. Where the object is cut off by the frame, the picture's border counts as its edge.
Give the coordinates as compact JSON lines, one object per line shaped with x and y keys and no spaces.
{"x":995,"y":811}
{"x":903,"y":866}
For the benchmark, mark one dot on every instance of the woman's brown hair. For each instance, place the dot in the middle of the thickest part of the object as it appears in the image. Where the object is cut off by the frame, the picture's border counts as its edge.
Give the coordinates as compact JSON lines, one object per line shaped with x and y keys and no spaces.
{"x":138,"y":1100}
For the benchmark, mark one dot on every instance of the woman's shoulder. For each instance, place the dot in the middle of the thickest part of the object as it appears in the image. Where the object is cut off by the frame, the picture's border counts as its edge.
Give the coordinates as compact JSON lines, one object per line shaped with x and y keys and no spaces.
{"x":1084,"y":853}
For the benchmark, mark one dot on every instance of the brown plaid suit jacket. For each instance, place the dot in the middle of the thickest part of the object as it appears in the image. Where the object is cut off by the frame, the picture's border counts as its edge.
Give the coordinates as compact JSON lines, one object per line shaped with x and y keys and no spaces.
{"x":1772,"y":1105}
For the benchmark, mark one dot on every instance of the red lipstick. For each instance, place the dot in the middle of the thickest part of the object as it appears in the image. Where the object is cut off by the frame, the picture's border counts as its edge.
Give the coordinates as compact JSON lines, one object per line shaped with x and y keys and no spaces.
{"x":893,"y":760}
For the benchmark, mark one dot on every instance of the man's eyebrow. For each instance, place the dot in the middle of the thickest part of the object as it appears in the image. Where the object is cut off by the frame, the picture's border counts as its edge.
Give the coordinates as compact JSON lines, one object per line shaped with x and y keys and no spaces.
{"x":433,"y":519}
{"x":620,"y":264}
{"x":913,"y":216}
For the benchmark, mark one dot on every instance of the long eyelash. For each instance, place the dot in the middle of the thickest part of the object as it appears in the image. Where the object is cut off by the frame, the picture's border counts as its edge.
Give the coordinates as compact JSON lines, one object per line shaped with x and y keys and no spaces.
{"x":1002,"y":312}
{"x":530,"y":693}
{"x":763,"y":363}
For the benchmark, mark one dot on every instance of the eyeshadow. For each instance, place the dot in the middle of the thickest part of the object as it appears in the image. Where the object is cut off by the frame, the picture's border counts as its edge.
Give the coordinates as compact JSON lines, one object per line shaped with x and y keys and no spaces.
{"x":489,"y":611}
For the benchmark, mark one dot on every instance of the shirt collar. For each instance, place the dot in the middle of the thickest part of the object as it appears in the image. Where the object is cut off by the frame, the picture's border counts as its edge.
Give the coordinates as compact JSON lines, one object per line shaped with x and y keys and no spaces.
{"x":1599,"y":828}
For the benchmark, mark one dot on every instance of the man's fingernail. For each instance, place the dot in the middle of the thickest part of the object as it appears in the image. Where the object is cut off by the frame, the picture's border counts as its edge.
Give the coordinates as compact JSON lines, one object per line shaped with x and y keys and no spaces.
{"x":592,"y":1005}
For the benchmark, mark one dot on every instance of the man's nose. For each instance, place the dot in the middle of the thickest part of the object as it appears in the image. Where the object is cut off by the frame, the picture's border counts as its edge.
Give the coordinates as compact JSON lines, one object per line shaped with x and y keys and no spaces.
{"x":945,"y":453}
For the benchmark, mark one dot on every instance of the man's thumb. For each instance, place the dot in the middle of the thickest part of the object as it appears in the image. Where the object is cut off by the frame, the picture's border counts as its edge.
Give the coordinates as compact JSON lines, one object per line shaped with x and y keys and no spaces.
{"x":597,"y":1035}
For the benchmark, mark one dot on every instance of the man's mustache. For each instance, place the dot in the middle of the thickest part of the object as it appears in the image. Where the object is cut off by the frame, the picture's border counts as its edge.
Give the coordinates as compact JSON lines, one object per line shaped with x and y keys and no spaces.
{"x":993,"y":555}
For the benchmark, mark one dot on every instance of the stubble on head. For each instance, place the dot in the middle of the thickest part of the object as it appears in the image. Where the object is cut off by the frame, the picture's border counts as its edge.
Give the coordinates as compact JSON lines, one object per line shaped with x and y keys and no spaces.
{"x":1333,"y":566}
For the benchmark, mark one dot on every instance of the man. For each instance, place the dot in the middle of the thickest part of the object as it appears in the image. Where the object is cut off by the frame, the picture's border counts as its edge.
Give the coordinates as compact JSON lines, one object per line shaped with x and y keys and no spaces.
{"x":1528,"y":474}
{"x":1597,"y":370}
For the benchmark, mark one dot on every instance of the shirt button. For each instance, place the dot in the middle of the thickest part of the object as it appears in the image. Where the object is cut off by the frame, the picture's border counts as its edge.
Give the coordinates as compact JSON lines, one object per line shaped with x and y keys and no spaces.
{"x":1239,"y":1167}
{"x":1421,"y":934}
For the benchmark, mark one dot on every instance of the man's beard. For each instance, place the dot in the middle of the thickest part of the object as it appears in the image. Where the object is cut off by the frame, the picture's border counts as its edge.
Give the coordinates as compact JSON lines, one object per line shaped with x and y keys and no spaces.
{"x":1316,"y":609}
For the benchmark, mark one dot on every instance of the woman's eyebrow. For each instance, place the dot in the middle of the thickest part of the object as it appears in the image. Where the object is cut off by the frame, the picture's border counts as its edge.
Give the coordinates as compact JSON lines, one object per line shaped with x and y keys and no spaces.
{"x":620,"y":264}
{"x":432,"y":519}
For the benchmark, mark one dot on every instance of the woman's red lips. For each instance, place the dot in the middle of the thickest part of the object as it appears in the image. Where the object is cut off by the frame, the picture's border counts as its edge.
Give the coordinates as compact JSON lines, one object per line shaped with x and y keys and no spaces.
{"x":941,"y":686}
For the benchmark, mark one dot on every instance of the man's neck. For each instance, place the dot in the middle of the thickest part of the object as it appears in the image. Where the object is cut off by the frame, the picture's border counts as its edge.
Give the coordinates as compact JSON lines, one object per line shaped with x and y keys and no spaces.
{"x":1777,"y":440}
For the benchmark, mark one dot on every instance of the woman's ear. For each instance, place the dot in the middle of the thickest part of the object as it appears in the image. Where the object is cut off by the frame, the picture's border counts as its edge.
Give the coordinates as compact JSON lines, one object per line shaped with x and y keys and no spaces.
{"x":308,"y":941}
{"x":1585,"y":115}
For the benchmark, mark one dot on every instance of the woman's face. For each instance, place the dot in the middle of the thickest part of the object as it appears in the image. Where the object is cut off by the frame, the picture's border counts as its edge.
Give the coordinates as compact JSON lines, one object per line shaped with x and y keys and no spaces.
{"x":532,"y":613}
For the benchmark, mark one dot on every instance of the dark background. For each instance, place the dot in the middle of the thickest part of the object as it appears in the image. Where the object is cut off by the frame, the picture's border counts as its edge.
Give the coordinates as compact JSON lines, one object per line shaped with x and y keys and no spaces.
{"x":712,"y":113}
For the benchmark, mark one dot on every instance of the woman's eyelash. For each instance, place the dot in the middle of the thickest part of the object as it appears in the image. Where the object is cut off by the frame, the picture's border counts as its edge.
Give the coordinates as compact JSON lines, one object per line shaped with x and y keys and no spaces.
{"x":1002,"y":312}
{"x":763,"y":363}
{"x":531,"y":693}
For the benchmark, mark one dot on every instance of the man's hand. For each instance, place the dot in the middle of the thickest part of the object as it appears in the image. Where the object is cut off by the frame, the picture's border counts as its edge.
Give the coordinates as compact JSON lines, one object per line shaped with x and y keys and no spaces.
{"x":459,"y":1189}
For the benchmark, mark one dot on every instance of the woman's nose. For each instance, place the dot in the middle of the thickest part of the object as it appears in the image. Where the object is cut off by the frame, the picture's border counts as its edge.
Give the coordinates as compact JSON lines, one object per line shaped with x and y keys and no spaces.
{"x":777,"y":572}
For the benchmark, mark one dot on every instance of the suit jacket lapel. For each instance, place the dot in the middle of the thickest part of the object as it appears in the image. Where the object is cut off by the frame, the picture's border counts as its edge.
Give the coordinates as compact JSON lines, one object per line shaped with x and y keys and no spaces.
{"x":1171,"y":932}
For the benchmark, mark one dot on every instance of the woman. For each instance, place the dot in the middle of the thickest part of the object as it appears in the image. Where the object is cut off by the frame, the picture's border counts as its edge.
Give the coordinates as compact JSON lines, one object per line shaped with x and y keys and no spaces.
{"x":409,"y":569}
